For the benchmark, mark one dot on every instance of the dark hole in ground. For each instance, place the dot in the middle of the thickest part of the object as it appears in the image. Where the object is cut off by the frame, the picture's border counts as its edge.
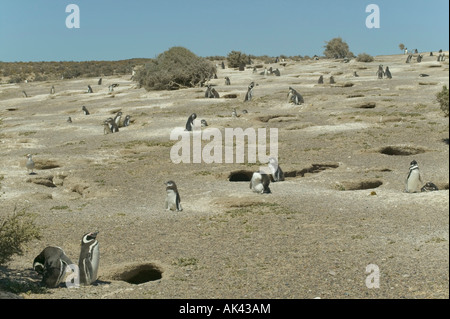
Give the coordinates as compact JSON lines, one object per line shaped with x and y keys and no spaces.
{"x":141,"y":274}
{"x":230,"y":96}
{"x":353,"y":186}
{"x":240,"y":176}
{"x":401,"y":150}
{"x":315,"y":168}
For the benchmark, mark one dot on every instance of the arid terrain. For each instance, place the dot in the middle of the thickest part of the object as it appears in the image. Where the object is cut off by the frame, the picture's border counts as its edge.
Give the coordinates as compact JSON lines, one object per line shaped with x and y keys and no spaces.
{"x":346,"y":153}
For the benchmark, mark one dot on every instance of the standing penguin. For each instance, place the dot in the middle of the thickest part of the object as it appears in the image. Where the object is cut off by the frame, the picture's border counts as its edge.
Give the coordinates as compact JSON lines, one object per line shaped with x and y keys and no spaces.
{"x":126,"y":121}
{"x":85,"y":110}
{"x":320,"y":81}
{"x":249,"y":94}
{"x":89,"y":258}
{"x":387,"y":72}
{"x":51,"y":263}
{"x":277,"y":172}
{"x":260,"y":183}
{"x":52,"y":90}
{"x":117,"y":118}
{"x":173,"y":199}
{"x":190,"y":122}
{"x":380,"y":71}
{"x":414,"y":180}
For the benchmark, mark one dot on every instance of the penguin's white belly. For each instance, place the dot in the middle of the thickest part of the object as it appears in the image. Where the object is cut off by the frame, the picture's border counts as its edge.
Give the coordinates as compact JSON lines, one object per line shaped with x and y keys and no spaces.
{"x":413,"y":182}
{"x":171,"y":200}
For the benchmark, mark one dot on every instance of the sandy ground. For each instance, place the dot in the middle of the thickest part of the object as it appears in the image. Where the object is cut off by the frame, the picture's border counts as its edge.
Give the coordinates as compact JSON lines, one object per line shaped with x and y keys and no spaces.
{"x":341,"y":209}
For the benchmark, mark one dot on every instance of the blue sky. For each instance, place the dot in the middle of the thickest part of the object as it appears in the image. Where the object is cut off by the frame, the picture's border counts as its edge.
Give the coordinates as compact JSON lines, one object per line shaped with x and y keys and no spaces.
{"x":35,"y":30}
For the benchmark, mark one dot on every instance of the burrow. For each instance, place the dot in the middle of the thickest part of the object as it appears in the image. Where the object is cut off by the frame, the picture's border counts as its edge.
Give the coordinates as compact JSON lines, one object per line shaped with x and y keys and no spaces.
{"x":139,"y":273}
{"x":359,"y":185}
{"x":401,"y":150}
{"x":246,"y":175}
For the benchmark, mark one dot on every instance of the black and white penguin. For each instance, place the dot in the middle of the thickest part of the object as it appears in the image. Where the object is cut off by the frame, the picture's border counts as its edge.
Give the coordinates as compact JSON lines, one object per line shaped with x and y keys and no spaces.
{"x":204,"y":123}
{"x":52,"y":90}
{"x":99,"y":81}
{"x":89,"y":258}
{"x":85,"y":110}
{"x":380,"y":71}
{"x":69,"y":120}
{"x":190,"y":122}
{"x":414,"y":180}
{"x":387,"y":72}
{"x":126,"y":121}
{"x":295,"y":97}
{"x":275,"y":169}
{"x":332,"y":81}
{"x":227,"y":81}
{"x":173,"y":199}
{"x":429,"y":187}
{"x":90,"y":89}
{"x":112,"y":125}
{"x":320,"y":81}
{"x":234,"y":113}
{"x":249,"y":95}
{"x":51,"y":263}
{"x":117,"y":118}
{"x":260,"y":183}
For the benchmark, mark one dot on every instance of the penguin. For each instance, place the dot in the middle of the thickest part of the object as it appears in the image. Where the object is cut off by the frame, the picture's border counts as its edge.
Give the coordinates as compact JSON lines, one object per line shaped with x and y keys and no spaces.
{"x":99,"y":81}
{"x":223,"y":65}
{"x":249,"y":95}
{"x":52,"y":90}
{"x":90,"y":89}
{"x":24,"y":94}
{"x":112,"y":125}
{"x":190,"y":122}
{"x":332,"y":80}
{"x":227,"y":81}
{"x":234,"y":113}
{"x":260,"y":183}
{"x":173,"y":199}
{"x":320,"y":81}
{"x":423,"y":75}
{"x":69,"y":120}
{"x":85,"y":110}
{"x":204,"y":123}
{"x":106,"y":127}
{"x":30,"y":164}
{"x":414,"y":180}
{"x":111,"y":88}
{"x":380,"y":71}
{"x":295,"y":97}
{"x":429,"y":187}
{"x":277,"y":72}
{"x":117,"y":118}
{"x":51,"y":263}
{"x":89,"y":258}
{"x":419,"y":58}
{"x":355,"y":74}
{"x":388,"y":73}
{"x":126,"y":121}
{"x":211,"y":93}
{"x":277,"y":172}
{"x":244,"y":111}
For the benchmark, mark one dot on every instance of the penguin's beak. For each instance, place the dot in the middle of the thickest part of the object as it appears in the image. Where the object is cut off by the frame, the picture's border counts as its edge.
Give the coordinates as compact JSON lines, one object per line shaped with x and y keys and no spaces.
{"x":94,"y":235}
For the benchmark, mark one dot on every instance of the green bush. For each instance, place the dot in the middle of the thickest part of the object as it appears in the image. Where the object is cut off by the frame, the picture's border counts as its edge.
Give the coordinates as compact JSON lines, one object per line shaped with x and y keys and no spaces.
{"x":364,"y":57}
{"x":173,"y":69}
{"x":237,"y":59}
{"x":337,"y":49}
{"x":15,"y":231}
{"x":442,"y":98}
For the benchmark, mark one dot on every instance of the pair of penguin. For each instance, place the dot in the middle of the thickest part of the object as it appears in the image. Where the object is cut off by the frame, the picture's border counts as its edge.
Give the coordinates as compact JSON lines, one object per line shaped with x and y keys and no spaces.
{"x":295,"y":97}
{"x":190,"y":122}
{"x":414,"y":180}
{"x":52,"y":262}
{"x":260,"y":181}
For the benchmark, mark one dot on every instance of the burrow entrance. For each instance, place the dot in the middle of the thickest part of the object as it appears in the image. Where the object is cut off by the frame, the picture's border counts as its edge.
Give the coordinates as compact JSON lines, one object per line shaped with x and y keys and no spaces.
{"x":401,"y":150}
{"x":359,"y":185}
{"x":140,"y":274}
{"x":246,"y":175}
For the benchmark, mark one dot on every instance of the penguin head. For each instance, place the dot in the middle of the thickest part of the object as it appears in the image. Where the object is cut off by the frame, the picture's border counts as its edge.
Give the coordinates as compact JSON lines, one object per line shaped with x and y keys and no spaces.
{"x":413,"y":163}
{"x":193,"y":116}
{"x":170,"y":185}
{"x":89,"y":237}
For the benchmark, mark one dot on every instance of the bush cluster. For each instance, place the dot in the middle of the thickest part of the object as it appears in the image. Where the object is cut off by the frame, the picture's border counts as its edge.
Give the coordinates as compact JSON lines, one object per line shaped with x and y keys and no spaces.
{"x":173,"y":69}
{"x":364,"y":57}
{"x":16,"y":230}
{"x":236,"y":59}
{"x":442,"y":98}
{"x":337,"y":49}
